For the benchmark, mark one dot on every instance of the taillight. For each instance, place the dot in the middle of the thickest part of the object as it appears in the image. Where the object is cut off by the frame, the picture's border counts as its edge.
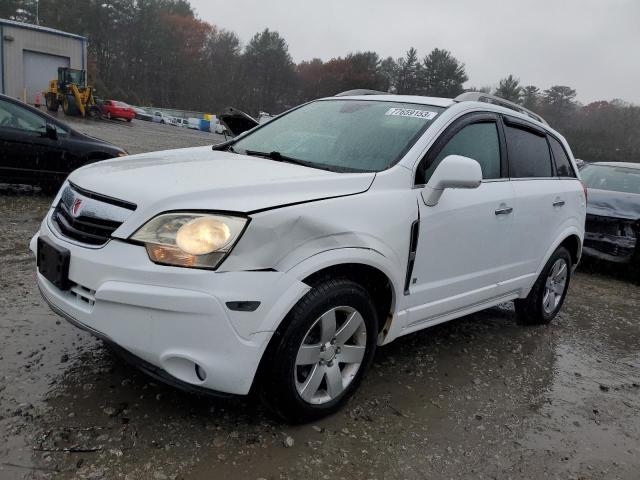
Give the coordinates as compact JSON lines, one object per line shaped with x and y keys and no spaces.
{"x":584,"y":188}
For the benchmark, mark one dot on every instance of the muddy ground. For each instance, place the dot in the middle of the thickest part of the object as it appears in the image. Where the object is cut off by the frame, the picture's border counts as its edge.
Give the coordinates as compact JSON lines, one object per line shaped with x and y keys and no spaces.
{"x":477,"y":398}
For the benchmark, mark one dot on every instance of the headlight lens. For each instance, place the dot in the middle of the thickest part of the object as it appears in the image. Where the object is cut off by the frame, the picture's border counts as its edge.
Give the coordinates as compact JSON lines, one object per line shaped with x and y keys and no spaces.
{"x":190,"y":239}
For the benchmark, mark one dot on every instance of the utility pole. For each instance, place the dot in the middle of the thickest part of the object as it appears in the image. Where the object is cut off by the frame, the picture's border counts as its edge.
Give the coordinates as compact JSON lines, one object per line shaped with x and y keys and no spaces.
{"x":37,"y":12}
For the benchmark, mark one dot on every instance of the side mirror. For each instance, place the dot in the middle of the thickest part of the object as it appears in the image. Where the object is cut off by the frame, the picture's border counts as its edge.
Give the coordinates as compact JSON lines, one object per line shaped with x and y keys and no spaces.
{"x":51,"y":132}
{"x":455,"y":171}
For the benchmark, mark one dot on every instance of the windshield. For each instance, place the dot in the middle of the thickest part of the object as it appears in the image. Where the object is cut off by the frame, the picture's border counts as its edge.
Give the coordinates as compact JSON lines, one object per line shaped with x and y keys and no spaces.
{"x":616,"y":179}
{"x":75,"y":76}
{"x":343,"y":135}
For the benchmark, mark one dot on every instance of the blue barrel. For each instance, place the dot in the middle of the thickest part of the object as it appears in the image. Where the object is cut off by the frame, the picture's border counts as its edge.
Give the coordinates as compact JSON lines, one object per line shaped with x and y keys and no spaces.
{"x":205,"y":125}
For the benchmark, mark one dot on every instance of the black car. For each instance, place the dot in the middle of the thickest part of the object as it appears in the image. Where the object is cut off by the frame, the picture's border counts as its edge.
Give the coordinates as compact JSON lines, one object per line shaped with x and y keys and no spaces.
{"x":37,"y":149}
{"x":613,"y":211}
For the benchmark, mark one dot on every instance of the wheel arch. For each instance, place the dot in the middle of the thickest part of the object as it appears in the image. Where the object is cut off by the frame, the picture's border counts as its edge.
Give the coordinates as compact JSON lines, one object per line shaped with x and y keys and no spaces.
{"x":365,"y":267}
{"x":571,"y":238}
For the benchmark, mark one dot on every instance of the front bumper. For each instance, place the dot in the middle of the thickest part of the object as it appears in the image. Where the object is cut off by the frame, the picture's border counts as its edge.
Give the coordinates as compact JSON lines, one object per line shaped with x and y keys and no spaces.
{"x":172,"y":318}
{"x":611,"y":239}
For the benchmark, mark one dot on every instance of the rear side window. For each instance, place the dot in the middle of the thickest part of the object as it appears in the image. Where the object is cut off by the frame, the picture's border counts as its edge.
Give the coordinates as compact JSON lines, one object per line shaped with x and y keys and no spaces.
{"x":478,"y":141}
{"x":529,"y":155}
{"x":563,"y":165}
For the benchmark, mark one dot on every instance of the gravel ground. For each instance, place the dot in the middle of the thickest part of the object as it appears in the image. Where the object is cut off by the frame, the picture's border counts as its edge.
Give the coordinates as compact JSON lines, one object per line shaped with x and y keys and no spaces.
{"x":477,"y":398}
{"x":140,"y":136}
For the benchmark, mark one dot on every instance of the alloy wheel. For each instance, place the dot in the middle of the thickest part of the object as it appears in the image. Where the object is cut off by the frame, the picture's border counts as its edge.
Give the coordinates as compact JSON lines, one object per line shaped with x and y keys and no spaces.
{"x":330,"y":355}
{"x":554,"y":286}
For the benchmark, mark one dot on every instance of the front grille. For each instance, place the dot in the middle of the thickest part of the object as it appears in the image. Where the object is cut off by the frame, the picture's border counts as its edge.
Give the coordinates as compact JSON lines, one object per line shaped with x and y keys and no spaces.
{"x":96,"y":217}
{"x":609,"y":226}
{"x":93,"y":231}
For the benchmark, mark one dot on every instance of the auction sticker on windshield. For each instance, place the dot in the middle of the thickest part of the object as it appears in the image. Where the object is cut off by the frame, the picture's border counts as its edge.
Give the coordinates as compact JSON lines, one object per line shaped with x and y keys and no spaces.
{"x":410,"y":112}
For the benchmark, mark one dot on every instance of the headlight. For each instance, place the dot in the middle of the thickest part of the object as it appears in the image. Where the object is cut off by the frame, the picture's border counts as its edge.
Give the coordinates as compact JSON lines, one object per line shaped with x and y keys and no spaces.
{"x":197,"y":240}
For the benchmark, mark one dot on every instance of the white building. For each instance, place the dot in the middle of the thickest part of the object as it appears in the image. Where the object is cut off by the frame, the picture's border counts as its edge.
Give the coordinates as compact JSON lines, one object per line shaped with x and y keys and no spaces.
{"x":30,"y":56}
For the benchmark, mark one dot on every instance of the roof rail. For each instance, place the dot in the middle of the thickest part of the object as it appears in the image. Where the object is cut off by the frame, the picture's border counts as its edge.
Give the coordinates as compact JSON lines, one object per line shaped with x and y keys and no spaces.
{"x":360,"y":91}
{"x":487,"y":98}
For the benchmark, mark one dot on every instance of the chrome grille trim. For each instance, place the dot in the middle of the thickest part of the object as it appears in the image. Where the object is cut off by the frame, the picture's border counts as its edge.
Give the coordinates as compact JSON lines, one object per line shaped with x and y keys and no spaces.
{"x":87,"y":217}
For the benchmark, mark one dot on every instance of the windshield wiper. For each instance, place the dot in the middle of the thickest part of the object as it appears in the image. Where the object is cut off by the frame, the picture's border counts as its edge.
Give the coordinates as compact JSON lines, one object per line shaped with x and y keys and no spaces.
{"x":278,"y":157}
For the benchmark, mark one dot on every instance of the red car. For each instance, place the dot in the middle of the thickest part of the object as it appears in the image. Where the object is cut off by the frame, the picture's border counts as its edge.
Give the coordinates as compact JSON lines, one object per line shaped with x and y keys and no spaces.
{"x":114,"y":109}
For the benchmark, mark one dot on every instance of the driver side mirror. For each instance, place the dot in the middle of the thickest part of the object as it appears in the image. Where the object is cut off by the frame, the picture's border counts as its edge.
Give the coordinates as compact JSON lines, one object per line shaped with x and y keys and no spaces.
{"x":455,"y":171}
{"x":51,"y":132}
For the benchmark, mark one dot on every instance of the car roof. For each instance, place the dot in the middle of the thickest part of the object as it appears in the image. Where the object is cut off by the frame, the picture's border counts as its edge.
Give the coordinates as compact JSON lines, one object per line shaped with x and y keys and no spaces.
{"x":449,"y":102}
{"x":617,"y":164}
{"x":434,"y":101}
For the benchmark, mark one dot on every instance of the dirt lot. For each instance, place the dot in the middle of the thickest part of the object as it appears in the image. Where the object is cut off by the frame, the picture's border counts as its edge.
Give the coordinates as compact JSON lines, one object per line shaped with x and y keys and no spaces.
{"x":478,"y":398}
{"x":139,"y":136}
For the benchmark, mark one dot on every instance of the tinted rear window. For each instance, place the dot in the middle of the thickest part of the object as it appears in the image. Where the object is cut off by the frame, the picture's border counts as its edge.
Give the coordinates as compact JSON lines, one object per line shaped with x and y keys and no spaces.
{"x":563,"y":165}
{"x":528,"y":154}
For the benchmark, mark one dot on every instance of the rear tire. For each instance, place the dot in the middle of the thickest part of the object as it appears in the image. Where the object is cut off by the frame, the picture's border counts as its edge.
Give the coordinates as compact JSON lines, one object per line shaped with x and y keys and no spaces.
{"x":548,"y":293}
{"x":335,"y":322}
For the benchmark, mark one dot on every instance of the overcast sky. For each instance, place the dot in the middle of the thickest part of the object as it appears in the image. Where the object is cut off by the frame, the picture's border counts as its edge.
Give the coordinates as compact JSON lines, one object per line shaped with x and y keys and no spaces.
{"x":590,"y":45}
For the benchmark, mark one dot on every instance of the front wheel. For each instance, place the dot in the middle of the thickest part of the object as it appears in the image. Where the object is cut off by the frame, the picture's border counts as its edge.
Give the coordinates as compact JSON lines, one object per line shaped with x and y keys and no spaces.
{"x":323,"y":353}
{"x":548,"y":293}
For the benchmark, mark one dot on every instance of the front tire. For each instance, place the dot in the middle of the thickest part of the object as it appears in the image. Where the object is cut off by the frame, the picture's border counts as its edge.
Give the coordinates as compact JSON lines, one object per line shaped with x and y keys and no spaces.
{"x":548,"y":293}
{"x":323,"y":352}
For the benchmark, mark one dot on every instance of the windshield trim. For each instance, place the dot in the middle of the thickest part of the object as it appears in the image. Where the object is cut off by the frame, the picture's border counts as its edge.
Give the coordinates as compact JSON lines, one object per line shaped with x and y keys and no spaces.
{"x":334,"y":168}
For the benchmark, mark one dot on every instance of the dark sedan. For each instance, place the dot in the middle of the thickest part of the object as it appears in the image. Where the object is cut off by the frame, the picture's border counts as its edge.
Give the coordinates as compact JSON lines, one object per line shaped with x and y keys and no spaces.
{"x":613,"y":211}
{"x":37,"y":149}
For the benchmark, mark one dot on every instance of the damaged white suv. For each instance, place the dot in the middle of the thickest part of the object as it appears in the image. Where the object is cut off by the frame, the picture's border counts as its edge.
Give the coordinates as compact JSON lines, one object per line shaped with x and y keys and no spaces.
{"x":278,"y":261}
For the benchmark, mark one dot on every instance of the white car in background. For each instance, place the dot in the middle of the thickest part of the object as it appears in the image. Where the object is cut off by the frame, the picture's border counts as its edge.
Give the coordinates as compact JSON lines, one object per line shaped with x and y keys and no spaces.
{"x":280,"y":260}
{"x":163,"y":118}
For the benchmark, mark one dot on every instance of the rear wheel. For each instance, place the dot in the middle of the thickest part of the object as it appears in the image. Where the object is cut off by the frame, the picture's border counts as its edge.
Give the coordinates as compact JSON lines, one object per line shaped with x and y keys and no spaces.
{"x":548,"y":293}
{"x":323,"y":353}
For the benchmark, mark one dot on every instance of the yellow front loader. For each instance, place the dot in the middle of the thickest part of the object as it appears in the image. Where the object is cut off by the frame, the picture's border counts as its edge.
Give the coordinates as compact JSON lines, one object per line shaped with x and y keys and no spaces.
{"x":70,"y":91}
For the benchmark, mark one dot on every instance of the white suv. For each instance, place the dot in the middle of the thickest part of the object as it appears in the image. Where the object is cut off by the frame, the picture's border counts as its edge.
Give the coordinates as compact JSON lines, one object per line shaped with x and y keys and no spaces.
{"x":278,"y":261}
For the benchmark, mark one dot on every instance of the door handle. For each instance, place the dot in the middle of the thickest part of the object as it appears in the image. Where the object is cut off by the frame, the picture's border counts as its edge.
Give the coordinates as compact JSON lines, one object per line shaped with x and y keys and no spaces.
{"x":504,"y":211}
{"x":558,"y":203}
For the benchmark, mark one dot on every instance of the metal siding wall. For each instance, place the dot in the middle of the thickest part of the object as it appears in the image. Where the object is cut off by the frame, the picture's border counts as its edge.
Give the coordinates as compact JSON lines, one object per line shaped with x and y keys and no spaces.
{"x":44,"y":42}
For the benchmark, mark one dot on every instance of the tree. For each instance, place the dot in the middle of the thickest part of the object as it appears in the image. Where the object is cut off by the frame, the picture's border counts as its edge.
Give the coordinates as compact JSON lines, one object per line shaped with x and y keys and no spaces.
{"x":559,"y":97}
{"x":409,"y":71}
{"x":509,"y":88}
{"x":443,"y":75}
{"x":222,"y":57}
{"x":530,"y":97}
{"x":389,"y":70}
{"x":268,"y":72}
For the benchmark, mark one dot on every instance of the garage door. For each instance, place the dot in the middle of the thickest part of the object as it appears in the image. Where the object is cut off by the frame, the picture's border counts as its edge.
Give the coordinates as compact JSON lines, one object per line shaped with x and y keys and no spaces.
{"x":39,"y":69}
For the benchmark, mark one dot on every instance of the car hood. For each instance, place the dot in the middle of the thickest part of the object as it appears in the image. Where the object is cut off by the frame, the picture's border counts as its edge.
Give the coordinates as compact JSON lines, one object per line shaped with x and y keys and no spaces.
{"x":237,"y":121}
{"x":203,"y":179}
{"x":613,"y":204}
